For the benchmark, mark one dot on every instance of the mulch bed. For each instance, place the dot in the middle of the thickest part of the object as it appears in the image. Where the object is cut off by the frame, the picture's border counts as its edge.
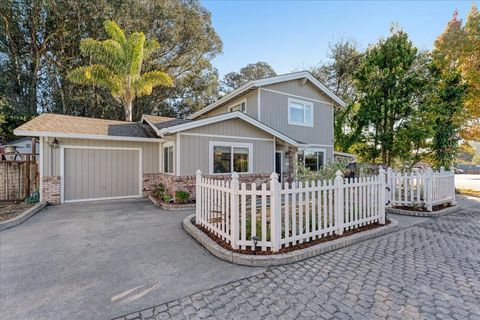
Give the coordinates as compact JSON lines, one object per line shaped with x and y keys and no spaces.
{"x":11,"y":209}
{"x":438,"y":207}
{"x":299,"y":246}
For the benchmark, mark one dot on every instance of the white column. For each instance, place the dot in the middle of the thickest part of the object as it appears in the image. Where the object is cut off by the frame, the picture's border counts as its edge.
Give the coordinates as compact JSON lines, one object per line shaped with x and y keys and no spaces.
{"x":275,"y":219}
{"x":339,"y":206}
{"x":235,"y":210}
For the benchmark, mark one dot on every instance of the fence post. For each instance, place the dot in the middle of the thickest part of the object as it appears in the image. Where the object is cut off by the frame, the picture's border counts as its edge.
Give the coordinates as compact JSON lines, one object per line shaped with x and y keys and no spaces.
{"x":381,"y":196}
{"x":339,"y":205}
{"x":452,"y":185}
{"x":429,"y":189}
{"x":275,"y":219}
{"x":389,"y":185}
{"x":235,"y":211}
{"x":198,"y":197}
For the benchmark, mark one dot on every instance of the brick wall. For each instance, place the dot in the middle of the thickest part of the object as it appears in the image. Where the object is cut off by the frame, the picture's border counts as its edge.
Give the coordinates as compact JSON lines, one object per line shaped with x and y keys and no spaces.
{"x":51,"y":189}
{"x":187,"y":183}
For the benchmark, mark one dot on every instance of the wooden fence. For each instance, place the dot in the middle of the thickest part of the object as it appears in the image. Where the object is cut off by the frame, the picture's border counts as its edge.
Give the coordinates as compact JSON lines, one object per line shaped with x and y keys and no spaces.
{"x":421,"y":188}
{"x":284,"y":215}
{"x":18,"y":178}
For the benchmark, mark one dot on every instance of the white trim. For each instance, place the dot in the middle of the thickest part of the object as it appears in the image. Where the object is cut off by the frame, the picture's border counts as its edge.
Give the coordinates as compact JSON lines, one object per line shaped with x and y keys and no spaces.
{"x":177,"y":156}
{"x":234,"y":104}
{"x":213,"y":144}
{"x":159,"y":157}
{"x":298,"y":97}
{"x":304,"y":104}
{"x":41,"y":162}
{"x":82,"y":136}
{"x":268,"y":81}
{"x":228,"y":116}
{"x":151,"y":125}
{"x":62,"y":171}
{"x":259,"y":104}
{"x":309,"y":145}
{"x":222,"y":136}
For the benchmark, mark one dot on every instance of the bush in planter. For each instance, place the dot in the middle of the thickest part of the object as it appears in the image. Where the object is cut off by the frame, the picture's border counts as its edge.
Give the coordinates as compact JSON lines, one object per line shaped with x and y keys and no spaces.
{"x":182,"y":196}
{"x":34,"y":197}
{"x":159,"y":191}
{"x":167,"y":198}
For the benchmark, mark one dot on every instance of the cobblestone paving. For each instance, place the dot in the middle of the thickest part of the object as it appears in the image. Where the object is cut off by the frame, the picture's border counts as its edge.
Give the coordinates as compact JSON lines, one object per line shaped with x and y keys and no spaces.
{"x":428,"y":271}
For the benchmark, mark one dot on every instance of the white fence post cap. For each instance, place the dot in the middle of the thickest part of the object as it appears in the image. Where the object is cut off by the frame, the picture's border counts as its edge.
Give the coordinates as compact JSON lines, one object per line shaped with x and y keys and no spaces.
{"x":274,"y":175}
{"x":234,"y":175}
{"x":339,"y":174}
{"x":382,"y":171}
{"x":198,"y":172}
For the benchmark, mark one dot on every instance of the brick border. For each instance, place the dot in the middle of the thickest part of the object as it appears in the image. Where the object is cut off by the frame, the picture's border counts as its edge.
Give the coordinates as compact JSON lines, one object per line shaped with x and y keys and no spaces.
{"x":21,"y":218}
{"x":171,"y":207}
{"x":429,"y":214}
{"x":284,"y":258}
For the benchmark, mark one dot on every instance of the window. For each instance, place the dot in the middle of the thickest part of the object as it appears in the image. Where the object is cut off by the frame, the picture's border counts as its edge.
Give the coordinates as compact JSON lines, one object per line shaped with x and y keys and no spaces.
{"x":168,"y":159}
{"x":242,"y":107}
{"x":228,"y":157}
{"x":312,"y":159}
{"x":300,"y":112}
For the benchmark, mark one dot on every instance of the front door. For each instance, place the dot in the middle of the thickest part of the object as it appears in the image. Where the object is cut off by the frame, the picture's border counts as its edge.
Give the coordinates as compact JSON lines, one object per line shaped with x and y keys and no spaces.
{"x":278,"y":165}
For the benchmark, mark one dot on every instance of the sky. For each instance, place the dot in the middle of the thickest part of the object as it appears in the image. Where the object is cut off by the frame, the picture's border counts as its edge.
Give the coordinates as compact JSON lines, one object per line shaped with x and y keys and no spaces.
{"x":295,"y":35}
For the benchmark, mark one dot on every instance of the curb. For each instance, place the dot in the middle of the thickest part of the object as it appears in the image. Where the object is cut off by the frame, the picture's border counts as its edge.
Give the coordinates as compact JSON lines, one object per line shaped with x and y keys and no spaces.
{"x":286,"y":258}
{"x":432,"y":214}
{"x":24,"y":216}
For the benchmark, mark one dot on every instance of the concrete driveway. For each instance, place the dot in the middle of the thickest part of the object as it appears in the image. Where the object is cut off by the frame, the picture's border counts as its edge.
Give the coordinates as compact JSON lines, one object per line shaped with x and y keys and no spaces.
{"x":102,"y":260}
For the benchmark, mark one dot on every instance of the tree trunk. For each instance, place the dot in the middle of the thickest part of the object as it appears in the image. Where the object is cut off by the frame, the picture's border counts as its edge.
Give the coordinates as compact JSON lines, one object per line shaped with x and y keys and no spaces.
{"x":128,"y":110}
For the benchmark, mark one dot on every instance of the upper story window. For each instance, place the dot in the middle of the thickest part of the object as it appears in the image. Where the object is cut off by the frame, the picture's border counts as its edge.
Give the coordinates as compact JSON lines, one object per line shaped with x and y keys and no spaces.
{"x":241,"y":106}
{"x":300,"y":112}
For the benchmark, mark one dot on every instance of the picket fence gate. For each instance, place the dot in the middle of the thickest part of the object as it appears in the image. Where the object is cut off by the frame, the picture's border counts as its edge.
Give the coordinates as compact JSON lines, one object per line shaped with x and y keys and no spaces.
{"x":276,"y":215}
{"x":421,"y":188}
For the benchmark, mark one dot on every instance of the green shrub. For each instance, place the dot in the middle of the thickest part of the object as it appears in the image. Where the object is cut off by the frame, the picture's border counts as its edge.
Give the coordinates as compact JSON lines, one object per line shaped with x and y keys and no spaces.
{"x":167,"y":198}
{"x":34,"y":197}
{"x":159,"y":191}
{"x":182,"y":196}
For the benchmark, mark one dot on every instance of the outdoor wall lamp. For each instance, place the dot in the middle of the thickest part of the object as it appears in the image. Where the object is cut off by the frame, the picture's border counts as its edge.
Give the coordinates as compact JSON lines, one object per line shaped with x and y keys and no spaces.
{"x":55,"y":144}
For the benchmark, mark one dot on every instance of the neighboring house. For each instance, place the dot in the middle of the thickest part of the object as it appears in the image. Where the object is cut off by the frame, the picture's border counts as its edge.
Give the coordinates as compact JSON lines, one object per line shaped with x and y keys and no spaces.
{"x":261,"y":127}
{"x":22,"y":145}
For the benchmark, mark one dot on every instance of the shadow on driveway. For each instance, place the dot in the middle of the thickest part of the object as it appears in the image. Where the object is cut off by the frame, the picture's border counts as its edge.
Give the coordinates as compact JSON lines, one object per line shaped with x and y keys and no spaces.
{"x":101,"y":260}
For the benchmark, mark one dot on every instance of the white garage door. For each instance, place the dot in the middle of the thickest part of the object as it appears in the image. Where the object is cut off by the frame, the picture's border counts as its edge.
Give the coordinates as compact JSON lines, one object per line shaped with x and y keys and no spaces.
{"x":95,"y":174}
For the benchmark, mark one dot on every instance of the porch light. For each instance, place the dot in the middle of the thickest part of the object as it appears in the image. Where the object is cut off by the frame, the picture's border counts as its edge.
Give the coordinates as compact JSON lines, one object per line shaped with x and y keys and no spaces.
{"x":55,"y":143}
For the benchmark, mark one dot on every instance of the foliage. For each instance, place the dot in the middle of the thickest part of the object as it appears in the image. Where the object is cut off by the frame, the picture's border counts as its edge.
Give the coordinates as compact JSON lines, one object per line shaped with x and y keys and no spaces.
{"x":391,"y":83}
{"x":118,"y":65}
{"x":167,"y":198}
{"x":328,"y":171}
{"x":182,"y":196}
{"x":34,"y":197}
{"x":159,"y":191}
{"x":10,"y":118}
{"x":39,"y":43}
{"x":252,"y":71}
{"x":465,"y":153}
{"x":338,"y":75}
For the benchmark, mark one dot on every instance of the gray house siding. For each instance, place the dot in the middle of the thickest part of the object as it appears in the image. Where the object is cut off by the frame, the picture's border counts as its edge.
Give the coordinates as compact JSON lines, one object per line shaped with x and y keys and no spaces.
{"x":51,"y":156}
{"x":195,"y":145}
{"x":274,"y":113}
{"x":252,"y":105}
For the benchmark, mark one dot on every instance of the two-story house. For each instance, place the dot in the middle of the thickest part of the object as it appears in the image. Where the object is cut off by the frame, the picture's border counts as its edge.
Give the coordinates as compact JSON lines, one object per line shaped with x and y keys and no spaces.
{"x":263,"y":126}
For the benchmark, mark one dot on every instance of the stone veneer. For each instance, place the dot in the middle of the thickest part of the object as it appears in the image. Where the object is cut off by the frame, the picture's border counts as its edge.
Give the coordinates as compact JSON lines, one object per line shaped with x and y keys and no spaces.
{"x":51,"y":189}
{"x":187,"y":183}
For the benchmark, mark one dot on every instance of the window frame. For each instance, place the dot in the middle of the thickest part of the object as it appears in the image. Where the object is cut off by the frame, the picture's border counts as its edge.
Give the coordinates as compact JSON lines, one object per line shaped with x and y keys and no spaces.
{"x":324,"y":151}
{"x":232,"y":145}
{"x":166,"y":145}
{"x":233,"y":105}
{"x":304,"y":104}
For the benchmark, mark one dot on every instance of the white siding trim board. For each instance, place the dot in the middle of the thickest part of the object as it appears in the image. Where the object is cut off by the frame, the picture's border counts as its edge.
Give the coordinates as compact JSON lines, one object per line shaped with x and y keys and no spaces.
{"x":41,"y":168}
{"x":223,"y":136}
{"x":62,"y":172}
{"x":83,"y":136}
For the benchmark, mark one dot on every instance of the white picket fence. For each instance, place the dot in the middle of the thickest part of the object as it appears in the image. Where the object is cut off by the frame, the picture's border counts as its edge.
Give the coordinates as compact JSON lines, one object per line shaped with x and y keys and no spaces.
{"x":283,"y":215}
{"x":421,"y":188}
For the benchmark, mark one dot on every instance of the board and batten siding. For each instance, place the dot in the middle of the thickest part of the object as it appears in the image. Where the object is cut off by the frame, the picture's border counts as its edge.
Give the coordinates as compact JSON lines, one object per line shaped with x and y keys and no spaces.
{"x":252,"y":105}
{"x":195,"y":143}
{"x":51,"y":156}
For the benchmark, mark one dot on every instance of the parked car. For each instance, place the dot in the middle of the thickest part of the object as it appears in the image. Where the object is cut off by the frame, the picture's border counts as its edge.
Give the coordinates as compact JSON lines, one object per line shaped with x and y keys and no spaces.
{"x":459,"y":171}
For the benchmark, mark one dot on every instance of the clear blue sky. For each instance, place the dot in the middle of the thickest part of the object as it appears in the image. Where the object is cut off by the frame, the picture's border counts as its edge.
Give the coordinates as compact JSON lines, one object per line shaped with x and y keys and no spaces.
{"x":293,"y":35}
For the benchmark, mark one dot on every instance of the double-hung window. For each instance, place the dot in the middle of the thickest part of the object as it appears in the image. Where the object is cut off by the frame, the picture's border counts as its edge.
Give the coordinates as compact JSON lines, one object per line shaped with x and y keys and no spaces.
{"x":300,"y":112}
{"x":313,"y":159}
{"x":168,"y":159}
{"x":226,"y":157}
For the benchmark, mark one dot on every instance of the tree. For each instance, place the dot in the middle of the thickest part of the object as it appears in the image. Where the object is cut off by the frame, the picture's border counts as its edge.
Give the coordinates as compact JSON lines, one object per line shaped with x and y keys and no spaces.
{"x":466,"y":153}
{"x":339,"y":76}
{"x":390,"y":83}
{"x":252,"y":71}
{"x":119,"y":65}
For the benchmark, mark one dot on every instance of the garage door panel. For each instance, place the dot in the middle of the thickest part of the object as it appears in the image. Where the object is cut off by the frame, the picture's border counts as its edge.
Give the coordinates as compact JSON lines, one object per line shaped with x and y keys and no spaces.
{"x":98,"y":173}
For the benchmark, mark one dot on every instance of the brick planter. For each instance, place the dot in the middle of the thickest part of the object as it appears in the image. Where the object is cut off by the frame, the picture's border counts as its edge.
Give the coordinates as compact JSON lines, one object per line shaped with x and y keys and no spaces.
{"x":171,"y":206}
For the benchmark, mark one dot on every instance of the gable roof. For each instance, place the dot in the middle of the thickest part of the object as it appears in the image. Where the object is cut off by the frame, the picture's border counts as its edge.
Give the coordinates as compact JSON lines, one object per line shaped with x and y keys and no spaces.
{"x":222,"y":117}
{"x":63,"y":126}
{"x":157,"y":122}
{"x":267,"y":81}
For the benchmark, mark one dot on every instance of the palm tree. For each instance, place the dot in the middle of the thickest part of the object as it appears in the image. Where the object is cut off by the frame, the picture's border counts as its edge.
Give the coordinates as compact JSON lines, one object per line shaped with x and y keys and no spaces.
{"x":118,"y":66}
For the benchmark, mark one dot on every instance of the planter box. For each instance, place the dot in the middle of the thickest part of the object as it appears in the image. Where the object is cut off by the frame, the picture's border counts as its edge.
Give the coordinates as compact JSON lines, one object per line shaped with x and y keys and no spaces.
{"x":171,"y":206}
